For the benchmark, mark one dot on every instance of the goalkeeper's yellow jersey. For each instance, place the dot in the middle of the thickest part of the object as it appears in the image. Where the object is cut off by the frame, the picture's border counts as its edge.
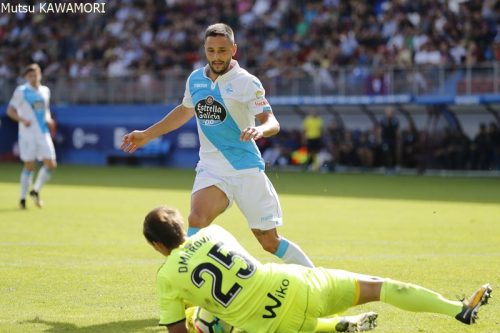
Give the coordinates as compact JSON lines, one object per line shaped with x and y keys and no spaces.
{"x":212,"y":270}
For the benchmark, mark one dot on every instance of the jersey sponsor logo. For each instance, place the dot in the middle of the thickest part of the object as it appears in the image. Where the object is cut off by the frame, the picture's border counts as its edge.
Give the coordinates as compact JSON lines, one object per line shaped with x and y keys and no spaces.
{"x":262,"y":102}
{"x":200,"y":85}
{"x":275,"y":297}
{"x":210,"y":112}
{"x":270,"y":308}
{"x":38,"y":105}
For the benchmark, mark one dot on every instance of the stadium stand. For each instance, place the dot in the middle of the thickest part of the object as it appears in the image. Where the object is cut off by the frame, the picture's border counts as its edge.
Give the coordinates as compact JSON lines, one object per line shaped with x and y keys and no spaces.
{"x":438,"y":61}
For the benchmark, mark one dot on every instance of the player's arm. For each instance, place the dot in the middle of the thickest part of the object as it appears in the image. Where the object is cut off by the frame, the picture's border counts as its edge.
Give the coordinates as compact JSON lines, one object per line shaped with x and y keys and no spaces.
{"x":14,"y":115}
{"x":268,"y":126}
{"x":172,"y":121}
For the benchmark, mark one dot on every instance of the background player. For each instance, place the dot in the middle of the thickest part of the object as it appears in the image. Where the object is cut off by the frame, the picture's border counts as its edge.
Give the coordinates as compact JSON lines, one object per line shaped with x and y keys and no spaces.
{"x":211,"y":269}
{"x":29,"y":106}
{"x":226,"y":99}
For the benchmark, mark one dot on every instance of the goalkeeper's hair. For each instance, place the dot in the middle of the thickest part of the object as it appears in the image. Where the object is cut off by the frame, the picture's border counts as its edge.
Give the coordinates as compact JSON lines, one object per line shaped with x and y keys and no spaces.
{"x":164,"y":225}
{"x":220,"y":29}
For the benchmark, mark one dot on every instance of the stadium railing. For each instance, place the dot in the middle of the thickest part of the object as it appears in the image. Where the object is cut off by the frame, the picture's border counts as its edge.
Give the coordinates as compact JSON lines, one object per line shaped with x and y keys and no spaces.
{"x":168,"y":86}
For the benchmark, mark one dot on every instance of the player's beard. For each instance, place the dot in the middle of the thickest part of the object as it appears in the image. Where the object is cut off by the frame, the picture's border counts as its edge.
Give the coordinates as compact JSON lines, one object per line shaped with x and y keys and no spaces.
{"x":221,"y":71}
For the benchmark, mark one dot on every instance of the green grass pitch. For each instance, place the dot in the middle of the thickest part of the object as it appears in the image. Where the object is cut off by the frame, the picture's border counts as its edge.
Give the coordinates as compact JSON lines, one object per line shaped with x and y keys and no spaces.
{"x":81,"y":265}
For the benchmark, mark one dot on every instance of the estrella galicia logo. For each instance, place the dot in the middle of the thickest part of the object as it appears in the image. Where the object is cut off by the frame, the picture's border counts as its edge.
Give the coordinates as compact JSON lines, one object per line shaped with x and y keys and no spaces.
{"x":210,"y":112}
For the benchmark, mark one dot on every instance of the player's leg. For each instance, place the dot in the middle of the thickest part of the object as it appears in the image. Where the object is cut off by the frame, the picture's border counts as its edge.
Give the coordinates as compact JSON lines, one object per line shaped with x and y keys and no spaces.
{"x":412,"y":297}
{"x":27,"y":153}
{"x":210,"y":197}
{"x":25,"y":181}
{"x":43,"y":176}
{"x":258,"y":201}
{"x":45,"y":152}
{"x":281,"y":247}
{"x":206,"y":204}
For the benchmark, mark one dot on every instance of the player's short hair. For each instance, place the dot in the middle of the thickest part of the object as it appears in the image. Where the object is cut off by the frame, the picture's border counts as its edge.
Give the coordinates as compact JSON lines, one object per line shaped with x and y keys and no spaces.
{"x":220,"y":29}
{"x":164,"y":225}
{"x":32,"y":68}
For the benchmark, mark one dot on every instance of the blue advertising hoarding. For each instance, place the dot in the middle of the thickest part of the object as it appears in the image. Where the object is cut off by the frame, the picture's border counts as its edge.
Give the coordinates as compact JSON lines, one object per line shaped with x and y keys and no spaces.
{"x":92,"y":134}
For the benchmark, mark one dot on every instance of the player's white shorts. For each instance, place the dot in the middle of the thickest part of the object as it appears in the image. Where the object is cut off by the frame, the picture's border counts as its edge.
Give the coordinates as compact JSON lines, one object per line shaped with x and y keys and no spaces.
{"x":36,"y":148}
{"x":253,"y":192}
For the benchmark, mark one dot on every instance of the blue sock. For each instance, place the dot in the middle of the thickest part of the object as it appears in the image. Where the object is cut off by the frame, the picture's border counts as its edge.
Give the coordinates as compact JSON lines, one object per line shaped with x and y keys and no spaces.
{"x":192,"y":231}
{"x":291,"y":253}
{"x":282,"y":247}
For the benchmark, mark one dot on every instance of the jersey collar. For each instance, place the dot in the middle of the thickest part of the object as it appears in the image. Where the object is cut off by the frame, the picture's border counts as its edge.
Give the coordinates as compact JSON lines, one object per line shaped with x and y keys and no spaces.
{"x":235,"y":66}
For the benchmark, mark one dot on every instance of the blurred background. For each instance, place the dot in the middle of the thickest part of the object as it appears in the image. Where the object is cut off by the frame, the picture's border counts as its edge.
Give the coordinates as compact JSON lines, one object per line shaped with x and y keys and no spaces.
{"x":383,"y":85}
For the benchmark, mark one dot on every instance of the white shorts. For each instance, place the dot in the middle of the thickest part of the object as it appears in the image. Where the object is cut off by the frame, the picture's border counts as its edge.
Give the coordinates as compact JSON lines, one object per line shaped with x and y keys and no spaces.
{"x":36,"y":148}
{"x":253,"y":192}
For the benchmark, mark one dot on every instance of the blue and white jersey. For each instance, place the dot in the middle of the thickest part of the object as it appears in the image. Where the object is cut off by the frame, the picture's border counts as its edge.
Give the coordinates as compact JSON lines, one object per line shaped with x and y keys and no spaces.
{"x":223,"y":109}
{"x":32,"y":104}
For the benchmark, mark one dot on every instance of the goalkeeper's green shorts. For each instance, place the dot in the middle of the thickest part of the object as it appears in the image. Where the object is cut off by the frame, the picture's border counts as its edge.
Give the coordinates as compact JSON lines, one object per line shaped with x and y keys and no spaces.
{"x":325,"y":293}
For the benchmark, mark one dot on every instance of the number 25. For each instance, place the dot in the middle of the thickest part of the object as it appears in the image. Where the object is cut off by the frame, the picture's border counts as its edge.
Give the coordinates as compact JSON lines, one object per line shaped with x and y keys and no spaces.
{"x":226,"y":260}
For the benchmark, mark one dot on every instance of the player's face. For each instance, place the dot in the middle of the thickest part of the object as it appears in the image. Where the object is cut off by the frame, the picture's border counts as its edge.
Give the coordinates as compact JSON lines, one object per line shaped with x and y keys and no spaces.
{"x":34,"y":78}
{"x":219,"y":51}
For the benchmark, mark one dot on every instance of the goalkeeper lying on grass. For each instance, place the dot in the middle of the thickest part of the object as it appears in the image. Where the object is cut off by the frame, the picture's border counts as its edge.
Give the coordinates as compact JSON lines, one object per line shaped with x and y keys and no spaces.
{"x":212,"y":270}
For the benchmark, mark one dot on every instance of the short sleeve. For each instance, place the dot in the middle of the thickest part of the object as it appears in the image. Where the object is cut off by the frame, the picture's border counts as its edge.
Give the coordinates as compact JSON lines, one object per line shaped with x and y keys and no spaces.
{"x":256,"y":97}
{"x":187,"y":101}
{"x":16,"y":99}
{"x":171,"y":306}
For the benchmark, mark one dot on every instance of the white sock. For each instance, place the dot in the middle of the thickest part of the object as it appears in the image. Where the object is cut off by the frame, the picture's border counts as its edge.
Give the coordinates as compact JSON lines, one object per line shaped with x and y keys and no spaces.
{"x":42,"y":177}
{"x":26,"y":177}
{"x":291,"y":253}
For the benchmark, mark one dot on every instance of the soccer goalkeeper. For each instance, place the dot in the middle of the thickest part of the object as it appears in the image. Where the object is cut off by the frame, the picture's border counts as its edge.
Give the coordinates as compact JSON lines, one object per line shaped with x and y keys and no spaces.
{"x":212,"y":270}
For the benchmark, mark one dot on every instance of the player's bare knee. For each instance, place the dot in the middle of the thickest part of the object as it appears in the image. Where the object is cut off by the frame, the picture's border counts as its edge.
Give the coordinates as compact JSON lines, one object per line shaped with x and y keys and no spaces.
{"x":51,"y":166}
{"x":29,"y":166}
{"x":198,"y":220}
{"x":369,"y":289}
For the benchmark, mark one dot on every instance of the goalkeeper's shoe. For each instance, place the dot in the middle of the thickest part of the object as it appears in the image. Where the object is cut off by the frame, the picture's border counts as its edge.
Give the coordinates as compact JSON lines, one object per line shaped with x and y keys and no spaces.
{"x":22,"y":204}
{"x":359,"y":323}
{"x":471,"y":305}
{"x":36,"y":198}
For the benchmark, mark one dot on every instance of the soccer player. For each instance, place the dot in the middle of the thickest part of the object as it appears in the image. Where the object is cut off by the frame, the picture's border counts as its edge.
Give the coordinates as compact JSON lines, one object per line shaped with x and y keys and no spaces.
{"x":29,"y":106}
{"x":226,"y":100}
{"x":212,"y":270}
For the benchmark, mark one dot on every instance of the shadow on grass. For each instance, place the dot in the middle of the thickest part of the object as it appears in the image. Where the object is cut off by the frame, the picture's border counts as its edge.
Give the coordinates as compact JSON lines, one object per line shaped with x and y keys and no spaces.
{"x":8,"y":210}
{"x":126,"y":326}
{"x":457,"y":189}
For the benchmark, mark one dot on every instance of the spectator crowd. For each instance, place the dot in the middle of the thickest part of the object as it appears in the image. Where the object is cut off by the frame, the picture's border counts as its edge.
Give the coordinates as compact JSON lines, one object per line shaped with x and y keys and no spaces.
{"x":281,"y":41}
{"x":387,"y":145}
{"x":278,"y":39}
